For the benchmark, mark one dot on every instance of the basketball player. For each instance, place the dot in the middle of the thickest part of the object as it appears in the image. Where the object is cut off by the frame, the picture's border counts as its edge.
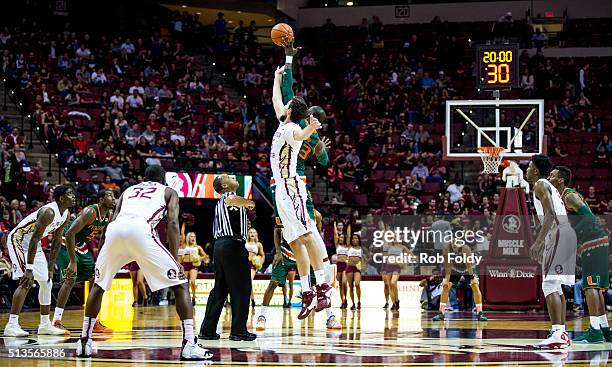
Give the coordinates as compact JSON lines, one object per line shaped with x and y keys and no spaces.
{"x":291,"y":196}
{"x":311,"y":145}
{"x":593,"y":246}
{"x":453,"y":271}
{"x":29,"y":261}
{"x":284,"y":262}
{"x":74,"y":260}
{"x":130,"y":237}
{"x":554,"y":248}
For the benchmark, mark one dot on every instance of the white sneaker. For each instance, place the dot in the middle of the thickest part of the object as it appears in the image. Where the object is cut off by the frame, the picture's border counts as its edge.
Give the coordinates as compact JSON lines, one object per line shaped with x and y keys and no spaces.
{"x":163,"y":302}
{"x":261,"y":323}
{"x":14,"y":330}
{"x":556,"y":340}
{"x":192,"y":351}
{"x":86,"y":350}
{"x":48,"y":329}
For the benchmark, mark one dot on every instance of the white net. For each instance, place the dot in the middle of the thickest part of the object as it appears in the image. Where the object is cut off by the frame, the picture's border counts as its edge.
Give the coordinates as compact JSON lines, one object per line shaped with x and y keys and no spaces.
{"x":491,"y":158}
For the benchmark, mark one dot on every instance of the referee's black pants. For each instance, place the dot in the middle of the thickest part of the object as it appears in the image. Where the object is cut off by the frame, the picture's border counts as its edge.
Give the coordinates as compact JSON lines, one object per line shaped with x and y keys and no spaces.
{"x":233,"y":276}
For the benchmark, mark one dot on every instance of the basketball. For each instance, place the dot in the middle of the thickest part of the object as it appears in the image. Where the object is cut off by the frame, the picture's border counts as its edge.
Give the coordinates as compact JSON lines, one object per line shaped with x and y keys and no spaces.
{"x":281,"y":34}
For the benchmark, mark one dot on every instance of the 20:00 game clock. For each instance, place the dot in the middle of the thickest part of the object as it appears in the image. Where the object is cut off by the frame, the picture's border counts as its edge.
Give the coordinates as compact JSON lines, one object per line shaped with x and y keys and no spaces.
{"x":497,"y":66}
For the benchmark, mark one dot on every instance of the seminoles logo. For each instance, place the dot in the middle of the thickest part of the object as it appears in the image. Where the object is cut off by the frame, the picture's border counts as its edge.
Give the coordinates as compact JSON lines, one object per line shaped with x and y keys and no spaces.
{"x":559,"y":269}
{"x":171,"y":274}
{"x":511,"y":223}
{"x":98,"y":273}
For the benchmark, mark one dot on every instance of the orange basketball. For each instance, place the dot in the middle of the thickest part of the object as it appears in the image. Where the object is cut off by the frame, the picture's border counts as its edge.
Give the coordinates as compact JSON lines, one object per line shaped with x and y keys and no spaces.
{"x":282,"y":34}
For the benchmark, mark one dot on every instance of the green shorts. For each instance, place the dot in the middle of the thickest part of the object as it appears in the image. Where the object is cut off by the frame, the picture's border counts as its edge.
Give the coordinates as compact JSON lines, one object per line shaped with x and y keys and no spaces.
{"x":85,"y":264}
{"x":280,"y":271}
{"x":594,"y":257}
{"x":309,"y":206}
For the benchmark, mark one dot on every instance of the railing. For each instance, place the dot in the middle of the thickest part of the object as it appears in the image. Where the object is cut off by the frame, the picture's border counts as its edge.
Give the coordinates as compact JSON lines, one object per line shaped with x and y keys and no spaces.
{"x":17,"y":99}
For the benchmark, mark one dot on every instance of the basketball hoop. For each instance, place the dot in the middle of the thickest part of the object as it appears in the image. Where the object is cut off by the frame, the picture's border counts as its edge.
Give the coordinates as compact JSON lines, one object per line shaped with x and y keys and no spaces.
{"x":491,"y":158}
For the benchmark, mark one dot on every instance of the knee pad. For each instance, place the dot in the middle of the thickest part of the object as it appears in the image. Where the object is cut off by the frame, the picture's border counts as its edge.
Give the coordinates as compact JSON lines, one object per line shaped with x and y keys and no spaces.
{"x":44,"y":292}
{"x":550,"y":286}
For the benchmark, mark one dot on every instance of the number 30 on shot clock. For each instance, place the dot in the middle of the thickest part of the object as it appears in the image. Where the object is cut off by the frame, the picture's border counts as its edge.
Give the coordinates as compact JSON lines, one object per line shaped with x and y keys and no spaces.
{"x":497,"y":66}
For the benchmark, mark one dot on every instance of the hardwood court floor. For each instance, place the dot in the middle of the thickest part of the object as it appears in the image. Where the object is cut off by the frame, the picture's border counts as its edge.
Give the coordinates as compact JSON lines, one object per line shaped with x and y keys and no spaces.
{"x":371,"y":337}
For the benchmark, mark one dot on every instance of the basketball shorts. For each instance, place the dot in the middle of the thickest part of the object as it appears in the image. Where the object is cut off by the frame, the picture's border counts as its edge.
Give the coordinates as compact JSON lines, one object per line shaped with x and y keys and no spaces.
{"x":559,"y":260}
{"x":309,"y":202}
{"x":85,"y":264}
{"x":455,"y":277}
{"x":280,"y":271}
{"x":130,"y":240}
{"x":18,"y":253}
{"x":290,"y":198}
{"x":594,"y":256}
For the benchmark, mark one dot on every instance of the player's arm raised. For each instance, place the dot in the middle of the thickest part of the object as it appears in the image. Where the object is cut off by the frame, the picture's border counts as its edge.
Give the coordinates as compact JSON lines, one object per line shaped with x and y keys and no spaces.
{"x":55,"y":244}
{"x":173,"y":231}
{"x":287,"y":82}
{"x":277,"y":95}
{"x":543,"y":194}
{"x":86,"y":217}
{"x":235,"y":200}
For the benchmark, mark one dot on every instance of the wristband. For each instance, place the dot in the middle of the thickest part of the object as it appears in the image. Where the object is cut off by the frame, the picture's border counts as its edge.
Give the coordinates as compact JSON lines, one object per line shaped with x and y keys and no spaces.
{"x":288,"y":59}
{"x":29,"y":266}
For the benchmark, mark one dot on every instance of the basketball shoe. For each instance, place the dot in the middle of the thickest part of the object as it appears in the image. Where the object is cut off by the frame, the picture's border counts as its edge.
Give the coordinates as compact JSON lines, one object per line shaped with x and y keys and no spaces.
{"x":192,"y":351}
{"x":557,"y":339}
{"x":324,"y":292}
{"x":309,"y":302}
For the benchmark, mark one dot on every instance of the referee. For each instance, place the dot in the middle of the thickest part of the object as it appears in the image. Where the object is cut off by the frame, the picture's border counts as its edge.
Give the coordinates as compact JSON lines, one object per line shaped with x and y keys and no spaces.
{"x":231,"y":260}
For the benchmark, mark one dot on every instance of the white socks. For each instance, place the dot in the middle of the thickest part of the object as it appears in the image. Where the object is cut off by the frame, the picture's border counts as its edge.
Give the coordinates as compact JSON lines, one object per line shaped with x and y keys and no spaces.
{"x":44,"y":319}
{"x":57,"y":315}
{"x":603,"y":320}
{"x":13,"y":319}
{"x":329,"y":312}
{"x":320,"y":276}
{"x":305,"y":281}
{"x":594,"y":322}
{"x":187,"y":326}
{"x":264,"y":311}
{"x":558,"y":328}
{"x":88,"y":325}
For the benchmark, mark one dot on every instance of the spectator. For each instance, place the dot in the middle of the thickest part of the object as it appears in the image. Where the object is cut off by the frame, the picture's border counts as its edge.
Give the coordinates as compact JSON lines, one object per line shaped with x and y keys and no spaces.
{"x":353,"y":158}
{"x":456,"y":191}
{"x":91,"y":188}
{"x":135,"y":101}
{"x":538,"y":39}
{"x":420,"y":170}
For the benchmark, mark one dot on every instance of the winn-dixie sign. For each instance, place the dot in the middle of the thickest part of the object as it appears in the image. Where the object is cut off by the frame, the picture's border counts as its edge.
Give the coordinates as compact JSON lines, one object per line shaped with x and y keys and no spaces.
{"x":510,"y":272}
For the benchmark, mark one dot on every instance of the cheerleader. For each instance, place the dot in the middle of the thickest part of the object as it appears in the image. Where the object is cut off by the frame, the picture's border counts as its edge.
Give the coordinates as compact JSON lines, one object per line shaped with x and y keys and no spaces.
{"x":256,"y":256}
{"x":391,"y":272}
{"x":341,"y":260}
{"x":353,"y":270}
{"x":191,"y":256}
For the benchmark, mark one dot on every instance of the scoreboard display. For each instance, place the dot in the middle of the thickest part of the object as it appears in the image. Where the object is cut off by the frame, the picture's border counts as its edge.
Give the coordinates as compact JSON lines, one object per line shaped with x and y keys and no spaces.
{"x":498,"y":66}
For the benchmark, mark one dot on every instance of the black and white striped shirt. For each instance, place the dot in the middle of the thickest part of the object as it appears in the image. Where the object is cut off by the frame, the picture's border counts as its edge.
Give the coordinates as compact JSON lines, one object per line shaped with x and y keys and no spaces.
{"x":230,"y":221}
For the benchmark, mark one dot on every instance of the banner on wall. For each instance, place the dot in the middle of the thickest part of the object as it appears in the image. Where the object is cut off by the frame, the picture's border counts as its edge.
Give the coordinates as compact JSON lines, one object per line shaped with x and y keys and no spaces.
{"x":200,"y":185}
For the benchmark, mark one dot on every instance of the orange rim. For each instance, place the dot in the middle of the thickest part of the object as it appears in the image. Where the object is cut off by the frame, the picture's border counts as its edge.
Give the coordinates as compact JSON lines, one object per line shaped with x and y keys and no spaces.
{"x":491,"y":150}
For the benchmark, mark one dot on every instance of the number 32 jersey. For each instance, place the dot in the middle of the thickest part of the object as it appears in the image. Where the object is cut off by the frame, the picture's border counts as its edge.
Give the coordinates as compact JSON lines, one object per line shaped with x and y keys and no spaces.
{"x":145,"y":202}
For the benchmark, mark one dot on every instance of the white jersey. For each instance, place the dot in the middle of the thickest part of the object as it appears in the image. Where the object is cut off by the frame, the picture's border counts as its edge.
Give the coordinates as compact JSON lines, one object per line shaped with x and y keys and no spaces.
{"x":145,"y":202}
{"x":557,"y":203}
{"x":20,"y":235}
{"x":284,"y":152}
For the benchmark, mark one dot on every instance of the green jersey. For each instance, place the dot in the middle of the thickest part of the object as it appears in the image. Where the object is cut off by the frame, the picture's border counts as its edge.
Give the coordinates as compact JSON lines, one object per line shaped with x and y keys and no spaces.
{"x":91,"y":230}
{"x":308,"y":146}
{"x":584,"y":222}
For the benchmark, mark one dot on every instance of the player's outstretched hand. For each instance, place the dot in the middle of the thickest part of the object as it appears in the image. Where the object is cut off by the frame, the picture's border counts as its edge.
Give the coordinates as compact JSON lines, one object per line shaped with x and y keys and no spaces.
{"x":280,"y":70}
{"x":290,"y":50}
{"x":326,"y":142}
{"x":70,"y":271}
